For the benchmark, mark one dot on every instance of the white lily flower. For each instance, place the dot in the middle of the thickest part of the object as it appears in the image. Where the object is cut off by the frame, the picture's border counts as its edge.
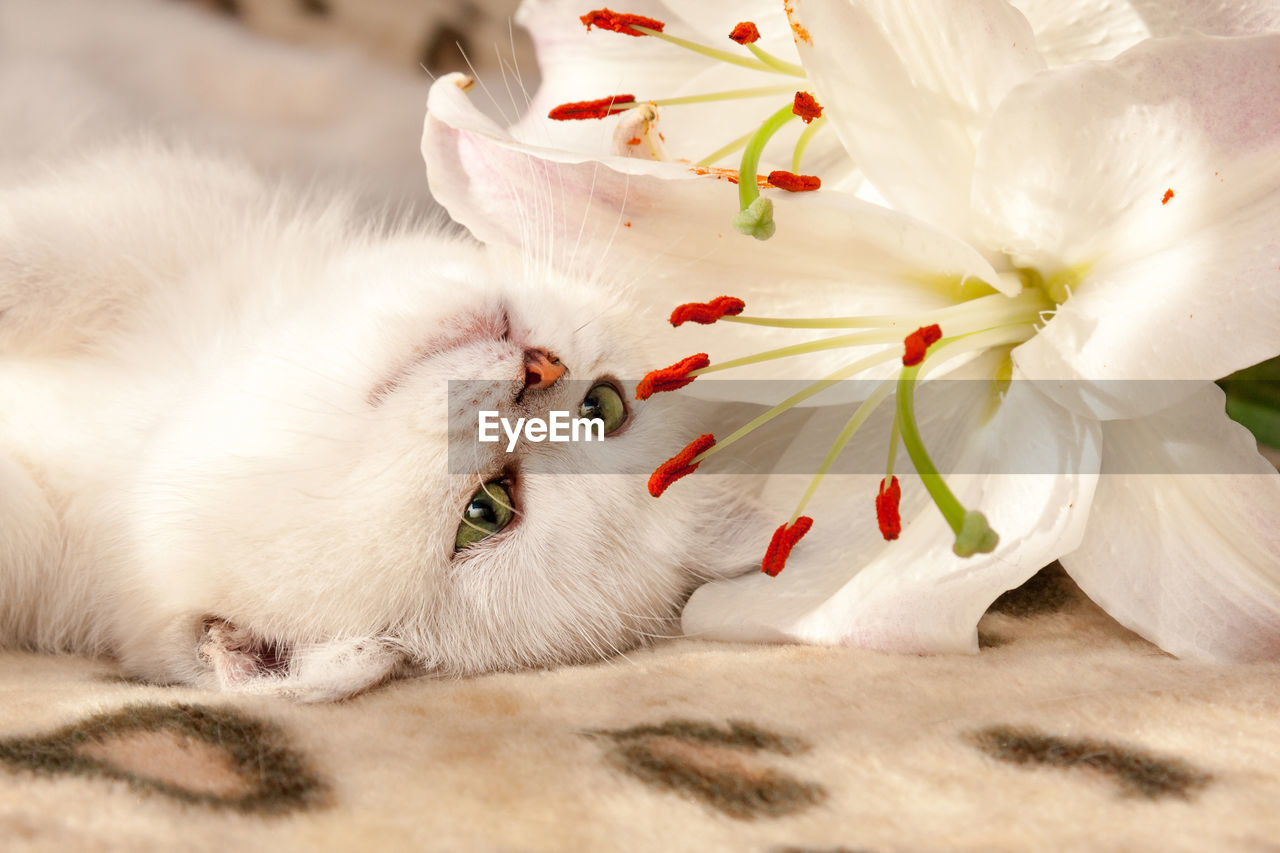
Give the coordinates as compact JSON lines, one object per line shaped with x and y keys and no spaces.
{"x":1054,"y":189}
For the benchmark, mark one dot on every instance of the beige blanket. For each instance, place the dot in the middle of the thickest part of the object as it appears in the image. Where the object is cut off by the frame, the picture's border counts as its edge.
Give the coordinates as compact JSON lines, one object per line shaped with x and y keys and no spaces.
{"x":1066,"y":732}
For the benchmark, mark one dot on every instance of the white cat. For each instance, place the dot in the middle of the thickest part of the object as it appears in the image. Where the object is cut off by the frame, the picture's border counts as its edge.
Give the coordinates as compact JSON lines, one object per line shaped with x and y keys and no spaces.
{"x":225,"y":434}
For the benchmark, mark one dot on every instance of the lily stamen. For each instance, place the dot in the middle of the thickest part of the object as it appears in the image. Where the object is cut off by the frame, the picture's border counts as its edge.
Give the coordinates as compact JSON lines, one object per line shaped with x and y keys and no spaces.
{"x":887,"y":517}
{"x":745,"y":32}
{"x":987,"y":311}
{"x":622,"y":22}
{"x":682,"y":464}
{"x":707,"y":312}
{"x":784,"y":539}
{"x":671,"y":378}
{"x":916,"y":344}
{"x":603,"y":107}
{"x":598,"y":108}
{"x":639,"y":25}
{"x":755,"y":213}
{"x":807,"y":107}
{"x":794,"y":183}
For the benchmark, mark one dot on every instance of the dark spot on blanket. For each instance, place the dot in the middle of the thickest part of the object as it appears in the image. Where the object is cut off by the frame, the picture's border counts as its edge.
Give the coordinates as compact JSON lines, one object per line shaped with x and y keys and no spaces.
{"x":195,"y":754}
{"x":988,"y":640}
{"x":718,"y":765}
{"x":791,"y":848}
{"x":1137,"y":772}
{"x":226,"y":7}
{"x":1047,"y":591}
{"x":315,"y":8}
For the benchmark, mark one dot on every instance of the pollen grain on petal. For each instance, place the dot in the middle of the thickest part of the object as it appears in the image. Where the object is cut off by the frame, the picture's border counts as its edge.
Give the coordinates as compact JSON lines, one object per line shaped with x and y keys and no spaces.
{"x":793,"y":183}
{"x":918,"y":342}
{"x":745,"y":33}
{"x":806,"y":106}
{"x":784,"y":539}
{"x":1168,"y":194}
{"x":679,"y":465}
{"x":887,"y":509}
{"x":620,"y":22}
{"x":707,"y":313}
{"x":599,"y":108}
{"x":798,"y":32}
{"x":671,"y":378}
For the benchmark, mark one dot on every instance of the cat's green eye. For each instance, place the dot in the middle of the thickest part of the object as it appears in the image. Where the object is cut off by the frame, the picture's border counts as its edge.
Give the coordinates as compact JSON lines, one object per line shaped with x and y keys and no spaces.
{"x":489,"y":511}
{"x":605,"y":403}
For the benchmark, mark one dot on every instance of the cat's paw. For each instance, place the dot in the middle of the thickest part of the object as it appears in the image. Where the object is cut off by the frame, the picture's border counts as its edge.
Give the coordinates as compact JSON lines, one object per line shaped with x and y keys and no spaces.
{"x":244,"y":662}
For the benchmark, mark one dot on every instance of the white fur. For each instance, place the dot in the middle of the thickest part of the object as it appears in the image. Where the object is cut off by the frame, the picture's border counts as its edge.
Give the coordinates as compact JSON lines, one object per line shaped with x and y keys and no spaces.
{"x":195,"y":464}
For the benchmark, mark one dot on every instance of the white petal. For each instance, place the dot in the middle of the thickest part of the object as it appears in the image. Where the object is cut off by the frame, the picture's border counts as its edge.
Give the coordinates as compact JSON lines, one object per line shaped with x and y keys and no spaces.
{"x":609,"y":219}
{"x":844,"y":585}
{"x":910,"y":86}
{"x":1074,"y":174}
{"x":1183,"y":545}
{"x":1219,"y":18}
{"x":1077,"y":30}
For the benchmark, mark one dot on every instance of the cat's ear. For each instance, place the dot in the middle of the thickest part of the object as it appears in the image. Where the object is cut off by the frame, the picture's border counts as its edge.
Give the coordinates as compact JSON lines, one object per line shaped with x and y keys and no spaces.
{"x":245,"y":663}
{"x":732,"y":527}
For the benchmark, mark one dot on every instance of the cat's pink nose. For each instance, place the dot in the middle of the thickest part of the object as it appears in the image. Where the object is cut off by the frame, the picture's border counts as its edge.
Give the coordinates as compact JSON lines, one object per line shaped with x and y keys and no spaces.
{"x":541,"y":369}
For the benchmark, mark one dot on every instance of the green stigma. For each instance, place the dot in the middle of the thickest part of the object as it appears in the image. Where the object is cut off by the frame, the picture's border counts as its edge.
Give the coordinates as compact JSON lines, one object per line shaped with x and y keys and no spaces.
{"x":756,"y":219}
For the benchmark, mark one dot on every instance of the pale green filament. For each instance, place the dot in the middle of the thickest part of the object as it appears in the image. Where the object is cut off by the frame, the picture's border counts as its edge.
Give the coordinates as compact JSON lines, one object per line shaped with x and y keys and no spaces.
{"x":894,"y":434}
{"x":721,"y":153}
{"x":799,"y":397}
{"x":726,"y":95}
{"x":960,"y":320}
{"x":887,"y":336}
{"x":856,"y":420}
{"x":806,"y":136}
{"x":996,"y":307}
{"x":775,"y":63}
{"x":715,"y":53}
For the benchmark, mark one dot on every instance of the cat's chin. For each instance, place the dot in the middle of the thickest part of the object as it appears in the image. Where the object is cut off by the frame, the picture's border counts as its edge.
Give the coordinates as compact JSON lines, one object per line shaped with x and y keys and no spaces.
{"x":243,"y":661}
{"x":239,"y":656}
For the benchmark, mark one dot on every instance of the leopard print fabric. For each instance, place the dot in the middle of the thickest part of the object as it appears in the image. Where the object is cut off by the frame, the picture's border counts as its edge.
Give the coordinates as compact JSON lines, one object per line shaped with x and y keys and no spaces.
{"x":1066,"y":732}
